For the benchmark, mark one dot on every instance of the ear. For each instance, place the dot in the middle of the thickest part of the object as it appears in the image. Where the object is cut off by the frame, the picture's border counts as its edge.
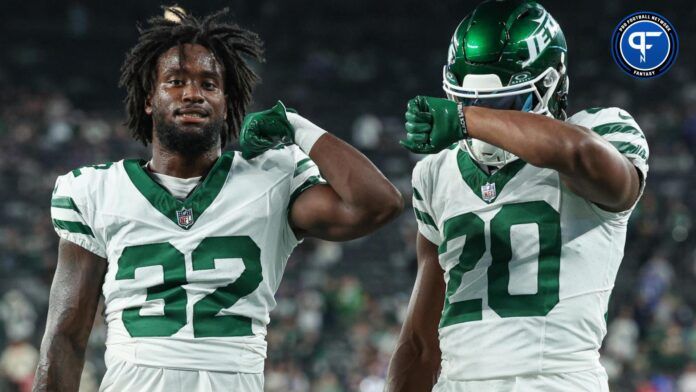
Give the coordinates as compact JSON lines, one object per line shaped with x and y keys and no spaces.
{"x":148,"y":105}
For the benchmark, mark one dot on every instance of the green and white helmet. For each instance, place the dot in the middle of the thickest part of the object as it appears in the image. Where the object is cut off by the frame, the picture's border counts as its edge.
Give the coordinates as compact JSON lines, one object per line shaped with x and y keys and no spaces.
{"x":507,"y":54}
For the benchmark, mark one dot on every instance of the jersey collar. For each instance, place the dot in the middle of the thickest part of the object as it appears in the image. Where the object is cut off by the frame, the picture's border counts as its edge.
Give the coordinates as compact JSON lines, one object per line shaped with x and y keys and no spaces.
{"x":183,"y":213}
{"x":486,"y":186}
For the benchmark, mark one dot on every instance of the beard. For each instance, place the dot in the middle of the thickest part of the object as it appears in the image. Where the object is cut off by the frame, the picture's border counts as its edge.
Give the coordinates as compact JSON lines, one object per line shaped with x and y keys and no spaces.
{"x":188,"y":143}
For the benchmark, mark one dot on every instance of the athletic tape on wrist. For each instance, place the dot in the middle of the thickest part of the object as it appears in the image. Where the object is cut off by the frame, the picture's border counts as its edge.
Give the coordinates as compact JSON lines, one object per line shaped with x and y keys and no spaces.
{"x":306,"y":132}
{"x":462,"y":120}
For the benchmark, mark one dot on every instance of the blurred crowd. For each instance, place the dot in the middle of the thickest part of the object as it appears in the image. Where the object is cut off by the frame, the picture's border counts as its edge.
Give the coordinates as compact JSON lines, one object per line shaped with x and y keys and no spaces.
{"x":351,"y":70}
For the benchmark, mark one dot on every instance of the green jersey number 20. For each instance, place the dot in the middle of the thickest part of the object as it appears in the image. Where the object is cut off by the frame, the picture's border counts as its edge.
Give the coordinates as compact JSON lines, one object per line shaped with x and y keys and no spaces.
{"x":498,"y":274}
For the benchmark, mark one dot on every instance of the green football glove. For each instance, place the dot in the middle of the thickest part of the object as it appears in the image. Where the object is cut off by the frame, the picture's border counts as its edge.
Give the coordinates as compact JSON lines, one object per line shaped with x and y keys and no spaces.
{"x":265,"y":130}
{"x":432,"y":124}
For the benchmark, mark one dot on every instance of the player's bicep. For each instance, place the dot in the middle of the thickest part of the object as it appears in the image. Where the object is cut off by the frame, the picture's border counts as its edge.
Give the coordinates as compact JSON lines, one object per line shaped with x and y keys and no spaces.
{"x":75,"y":291}
{"x":604,"y":176}
{"x":319,"y":212}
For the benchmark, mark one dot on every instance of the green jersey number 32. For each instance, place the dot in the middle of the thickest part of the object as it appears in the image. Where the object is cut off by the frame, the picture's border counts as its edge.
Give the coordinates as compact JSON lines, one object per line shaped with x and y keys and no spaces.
{"x":498,"y":273}
{"x":206,"y":322}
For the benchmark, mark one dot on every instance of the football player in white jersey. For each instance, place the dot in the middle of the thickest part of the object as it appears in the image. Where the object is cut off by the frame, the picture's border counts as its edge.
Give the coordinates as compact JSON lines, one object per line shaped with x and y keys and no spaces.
{"x":521,"y":215}
{"x":189,"y":247}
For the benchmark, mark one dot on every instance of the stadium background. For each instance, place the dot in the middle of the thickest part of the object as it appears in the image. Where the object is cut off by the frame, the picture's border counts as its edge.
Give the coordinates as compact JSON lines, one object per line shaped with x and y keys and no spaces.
{"x":350,"y":67}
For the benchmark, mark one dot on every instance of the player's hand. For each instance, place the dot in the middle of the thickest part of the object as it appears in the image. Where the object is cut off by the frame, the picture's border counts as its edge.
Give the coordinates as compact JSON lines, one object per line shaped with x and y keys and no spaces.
{"x":432,"y":124}
{"x":265,"y":130}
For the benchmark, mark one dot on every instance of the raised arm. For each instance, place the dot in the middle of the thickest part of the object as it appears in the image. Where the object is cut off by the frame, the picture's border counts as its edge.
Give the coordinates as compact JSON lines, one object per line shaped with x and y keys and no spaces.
{"x":72,"y":305}
{"x":357,"y":199}
{"x":416,"y":361}
{"x":589,"y":165}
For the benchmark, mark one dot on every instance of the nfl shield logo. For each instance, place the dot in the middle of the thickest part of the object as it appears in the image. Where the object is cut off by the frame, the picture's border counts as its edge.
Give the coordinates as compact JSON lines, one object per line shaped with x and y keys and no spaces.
{"x":488,"y":192}
{"x":184,"y":217}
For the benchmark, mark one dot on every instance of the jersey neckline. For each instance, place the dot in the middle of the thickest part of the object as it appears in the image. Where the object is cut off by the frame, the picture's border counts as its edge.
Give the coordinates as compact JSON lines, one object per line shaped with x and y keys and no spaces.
{"x":182,"y":213}
{"x":479,"y":181}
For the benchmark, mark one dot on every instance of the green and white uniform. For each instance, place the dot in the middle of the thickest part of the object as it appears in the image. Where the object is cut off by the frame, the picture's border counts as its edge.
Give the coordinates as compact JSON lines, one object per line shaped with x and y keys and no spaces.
{"x":190,"y":284}
{"x":529,"y":265}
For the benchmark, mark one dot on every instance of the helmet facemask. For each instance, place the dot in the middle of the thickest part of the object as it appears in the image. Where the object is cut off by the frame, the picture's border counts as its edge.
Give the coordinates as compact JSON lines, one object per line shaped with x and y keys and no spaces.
{"x":532,"y":96}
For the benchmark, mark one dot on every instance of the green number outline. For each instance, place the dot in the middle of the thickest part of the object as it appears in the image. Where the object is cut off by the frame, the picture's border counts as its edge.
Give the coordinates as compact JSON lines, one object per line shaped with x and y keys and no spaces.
{"x":498,"y":273}
{"x":206,"y":322}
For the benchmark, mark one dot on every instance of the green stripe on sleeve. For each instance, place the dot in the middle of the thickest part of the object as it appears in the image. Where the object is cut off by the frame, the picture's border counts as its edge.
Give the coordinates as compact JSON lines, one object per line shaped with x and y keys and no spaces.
{"x":618,"y":127}
{"x":302,"y":166}
{"x":629,"y":148}
{"x":64,"y":202}
{"x":73,"y":227}
{"x":417,"y":194}
{"x":310,"y":182}
{"x":425,"y":218}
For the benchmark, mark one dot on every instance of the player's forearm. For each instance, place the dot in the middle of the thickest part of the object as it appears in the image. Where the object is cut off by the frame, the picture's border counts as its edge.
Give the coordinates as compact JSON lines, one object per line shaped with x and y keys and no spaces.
{"x":536,"y":139}
{"x":416,"y":360}
{"x":60,"y":364}
{"x":411,"y":369}
{"x":588,"y":164}
{"x":71,"y":309}
{"x":359,"y":184}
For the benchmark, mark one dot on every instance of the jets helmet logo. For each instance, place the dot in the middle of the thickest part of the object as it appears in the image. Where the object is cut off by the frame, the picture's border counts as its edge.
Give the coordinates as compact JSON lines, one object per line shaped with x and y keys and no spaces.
{"x":536,"y":43}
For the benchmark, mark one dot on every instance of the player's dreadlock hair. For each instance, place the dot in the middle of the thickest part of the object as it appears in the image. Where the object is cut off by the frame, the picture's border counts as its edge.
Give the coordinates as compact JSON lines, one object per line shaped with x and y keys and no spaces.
{"x":228,"y":42}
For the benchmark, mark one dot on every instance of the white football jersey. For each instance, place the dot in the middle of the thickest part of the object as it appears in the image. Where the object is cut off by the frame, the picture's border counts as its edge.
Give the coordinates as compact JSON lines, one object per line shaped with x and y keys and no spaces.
{"x":529,"y":265}
{"x":190,"y":284}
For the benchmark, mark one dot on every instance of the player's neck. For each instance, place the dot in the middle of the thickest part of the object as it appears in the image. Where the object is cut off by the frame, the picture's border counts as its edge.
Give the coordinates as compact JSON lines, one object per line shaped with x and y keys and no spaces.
{"x":176,"y":165}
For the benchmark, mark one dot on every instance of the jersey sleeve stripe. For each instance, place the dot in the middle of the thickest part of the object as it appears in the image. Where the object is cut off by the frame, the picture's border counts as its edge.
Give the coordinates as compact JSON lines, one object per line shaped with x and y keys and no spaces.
{"x":310,"y":182}
{"x":630,"y":149}
{"x":302,"y":166}
{"x":625,"y":137}
{"x":73,"y":227}
{"x":417,"y":195}
{"x":64,"y":202}
{"x":424,"y":217}
{"x":618,"y":127}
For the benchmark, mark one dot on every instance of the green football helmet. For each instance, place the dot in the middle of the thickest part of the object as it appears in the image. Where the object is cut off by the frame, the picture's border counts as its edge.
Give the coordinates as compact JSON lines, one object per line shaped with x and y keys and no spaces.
{"x":507,"y":54}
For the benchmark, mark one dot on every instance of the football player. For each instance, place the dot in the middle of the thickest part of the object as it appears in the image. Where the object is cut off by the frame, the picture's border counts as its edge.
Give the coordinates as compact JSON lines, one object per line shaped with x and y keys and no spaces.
{"x":189,"y":247}
{"x":521,"y":215}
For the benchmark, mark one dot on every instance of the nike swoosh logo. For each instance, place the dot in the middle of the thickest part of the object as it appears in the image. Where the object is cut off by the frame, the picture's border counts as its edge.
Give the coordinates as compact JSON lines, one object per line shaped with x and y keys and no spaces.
{"x":625,"y":116}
